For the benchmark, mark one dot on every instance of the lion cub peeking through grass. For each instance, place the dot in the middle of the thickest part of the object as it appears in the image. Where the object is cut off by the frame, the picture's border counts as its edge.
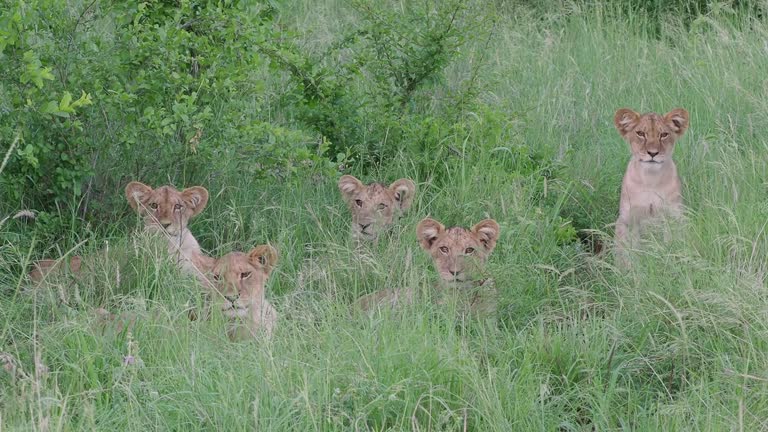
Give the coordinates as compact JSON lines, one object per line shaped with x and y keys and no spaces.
{"x":165,"y":211}
{"x":241,"y":280}
{"x":374,"y":206}
{"x":651,"y":188}
{"x":459,"y":255}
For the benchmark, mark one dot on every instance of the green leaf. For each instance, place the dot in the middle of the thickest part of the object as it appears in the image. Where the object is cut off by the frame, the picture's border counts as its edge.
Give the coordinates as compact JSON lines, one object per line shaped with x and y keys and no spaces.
{"x":85,"y":100}
{"x":49,"y":107}
{"x":64,"y":105}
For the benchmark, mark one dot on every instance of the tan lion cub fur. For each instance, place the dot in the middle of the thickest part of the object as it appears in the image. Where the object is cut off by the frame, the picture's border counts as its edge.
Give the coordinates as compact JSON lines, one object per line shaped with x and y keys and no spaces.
{"x":165,"y":211}
{"x":374,"y":206}
{"x":240,"y":279}
{"x":458,"y":255}
{"x":651,"y":187}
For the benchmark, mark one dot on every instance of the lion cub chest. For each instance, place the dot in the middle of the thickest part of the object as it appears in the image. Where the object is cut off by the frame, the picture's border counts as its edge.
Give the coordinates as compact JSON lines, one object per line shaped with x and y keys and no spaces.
{"x":650,"y":194}
{"x":259,"y":317}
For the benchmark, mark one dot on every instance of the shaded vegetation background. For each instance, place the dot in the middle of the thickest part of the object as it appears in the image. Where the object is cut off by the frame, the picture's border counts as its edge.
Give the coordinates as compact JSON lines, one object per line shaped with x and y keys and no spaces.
{"x":496,"y":109}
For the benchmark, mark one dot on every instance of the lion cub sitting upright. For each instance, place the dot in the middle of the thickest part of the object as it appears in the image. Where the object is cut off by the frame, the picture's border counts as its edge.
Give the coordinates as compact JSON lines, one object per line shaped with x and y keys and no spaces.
{"x":167,"y":211}
{"x":458,"y":255}
{"x":241,"y":280}
{"x":651,"y":187}
{"x":374,"y":206}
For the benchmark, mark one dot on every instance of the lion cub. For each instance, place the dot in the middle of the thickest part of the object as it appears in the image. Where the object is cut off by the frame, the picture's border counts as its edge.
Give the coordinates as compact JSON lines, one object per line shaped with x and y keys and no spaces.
{"x":651,"y":187}
{"x":165,"y":211}
{"x":458,"y":255}
{"x":374,"y":206}
{"x":241,"y":281}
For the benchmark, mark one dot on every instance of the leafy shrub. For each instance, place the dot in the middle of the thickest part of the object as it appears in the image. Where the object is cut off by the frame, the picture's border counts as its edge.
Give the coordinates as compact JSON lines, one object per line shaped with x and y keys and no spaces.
{"x":167,"y":90}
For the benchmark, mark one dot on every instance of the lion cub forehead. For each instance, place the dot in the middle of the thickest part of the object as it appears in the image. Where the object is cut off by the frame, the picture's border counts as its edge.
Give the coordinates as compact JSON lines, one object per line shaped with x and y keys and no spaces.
{"x":652,"y":120}
{"x":165,"y":194}
{"x":376,"y":190}
{"x":234,"y":261}
{"x":458,"y":236}
{"x":168,"y":192}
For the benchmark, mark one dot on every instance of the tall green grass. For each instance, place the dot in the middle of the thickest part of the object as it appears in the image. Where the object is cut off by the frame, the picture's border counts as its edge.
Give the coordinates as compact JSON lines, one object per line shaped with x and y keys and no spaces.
{"x":679,"y":342}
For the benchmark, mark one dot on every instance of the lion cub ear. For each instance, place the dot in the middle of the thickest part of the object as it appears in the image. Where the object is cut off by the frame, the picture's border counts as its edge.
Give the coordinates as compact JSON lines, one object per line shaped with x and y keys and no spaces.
{"x":196,"y":197}
{"x":404,"y":190}
{"x":265,"y":256}
{"x":348,"y":185}
{"x":677,"y":120}
{"x":487,"y":232}
{"x":136,"y":193}
{"x":428,"y":231}
{"x":625,"y":120}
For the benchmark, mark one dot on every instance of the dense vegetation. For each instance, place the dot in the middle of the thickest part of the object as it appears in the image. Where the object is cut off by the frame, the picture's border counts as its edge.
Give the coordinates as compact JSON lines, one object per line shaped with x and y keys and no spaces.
{"x":496,"y":109}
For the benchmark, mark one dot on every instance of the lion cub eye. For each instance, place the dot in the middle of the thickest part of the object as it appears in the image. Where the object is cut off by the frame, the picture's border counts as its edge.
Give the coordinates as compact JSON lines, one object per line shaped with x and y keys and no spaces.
{"x":443,"y":249}
{"x":641,"y":134}
{"x":216,"y":278}
{"x":664,"y":135}
{"x":245,"y":275}
{"x":359,"y":203}
{"x":153,"y":206}
{"x":382,"y":206}
{"x":469,"y":251}
{"x":177,"y":207}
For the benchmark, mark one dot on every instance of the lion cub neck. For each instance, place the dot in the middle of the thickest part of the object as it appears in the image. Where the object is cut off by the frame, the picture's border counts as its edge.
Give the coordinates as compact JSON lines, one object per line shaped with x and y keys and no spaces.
{"x":186,"y":252}
{"x":650,"y":190}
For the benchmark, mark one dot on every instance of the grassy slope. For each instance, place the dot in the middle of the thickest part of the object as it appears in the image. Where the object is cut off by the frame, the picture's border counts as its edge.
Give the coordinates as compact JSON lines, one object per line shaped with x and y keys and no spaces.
{"x":678,"y":343}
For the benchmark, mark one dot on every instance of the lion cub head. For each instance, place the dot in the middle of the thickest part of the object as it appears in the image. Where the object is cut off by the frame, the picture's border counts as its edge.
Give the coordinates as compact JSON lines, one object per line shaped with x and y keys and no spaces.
{"x":165,"y":208}
{"x":374,"y":206}
{"x":458,"y":253}
{"x":241,"y":279}
{"x":651,"y":136}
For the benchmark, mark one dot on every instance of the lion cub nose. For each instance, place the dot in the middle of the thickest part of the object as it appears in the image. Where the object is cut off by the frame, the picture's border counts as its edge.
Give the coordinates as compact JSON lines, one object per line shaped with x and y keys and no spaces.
{"x":364,"y":226}
{"x":232,"y":298}
{"x":454,"y":273}
{"x":652,"y":154}
{"x":166,"y":225}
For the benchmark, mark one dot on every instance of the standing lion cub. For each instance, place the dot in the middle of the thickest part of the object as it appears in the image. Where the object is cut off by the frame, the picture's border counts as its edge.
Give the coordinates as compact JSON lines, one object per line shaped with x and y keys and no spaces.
{"x":651,"y":187}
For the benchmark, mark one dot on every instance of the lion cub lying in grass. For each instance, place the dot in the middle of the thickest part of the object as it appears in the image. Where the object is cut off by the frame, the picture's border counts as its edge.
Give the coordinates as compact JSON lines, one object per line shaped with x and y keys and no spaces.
{"x":374,"y":206}
{"x":165,"y":211}
{"x":240,"y":279}
{"x":458,"y":255}
{"x":651,"y":188}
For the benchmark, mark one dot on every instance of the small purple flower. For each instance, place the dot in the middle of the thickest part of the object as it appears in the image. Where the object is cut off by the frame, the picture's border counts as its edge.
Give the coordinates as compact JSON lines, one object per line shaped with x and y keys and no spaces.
{"x":129,"y":360}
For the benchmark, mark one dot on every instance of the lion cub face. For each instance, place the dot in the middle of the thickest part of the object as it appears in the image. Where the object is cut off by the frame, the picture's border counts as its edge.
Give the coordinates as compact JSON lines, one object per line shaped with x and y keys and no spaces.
{"x":651,"y":136}
{"x":458,"y":252}
{"x":240,"y":279}
{"x":374,"y":206}
{"x":165,"y":208}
